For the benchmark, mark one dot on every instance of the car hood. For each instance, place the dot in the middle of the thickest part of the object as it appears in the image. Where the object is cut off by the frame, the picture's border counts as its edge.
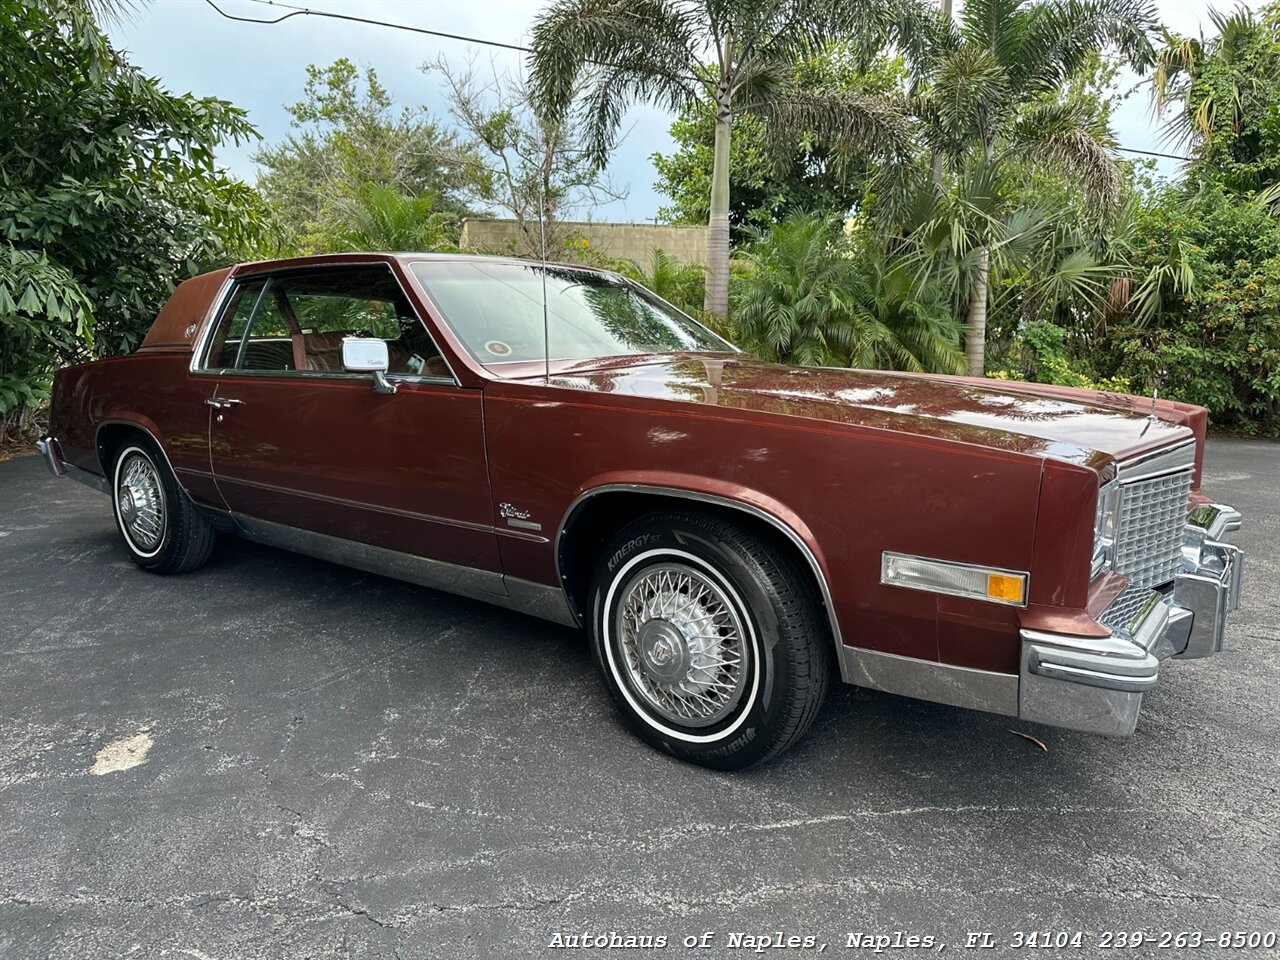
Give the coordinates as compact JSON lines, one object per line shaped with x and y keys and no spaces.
{"x":1066,"y":424}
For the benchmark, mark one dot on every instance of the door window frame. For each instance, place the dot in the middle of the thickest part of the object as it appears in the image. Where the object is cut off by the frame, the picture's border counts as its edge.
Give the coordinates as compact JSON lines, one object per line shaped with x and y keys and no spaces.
{"x":226,"y":295}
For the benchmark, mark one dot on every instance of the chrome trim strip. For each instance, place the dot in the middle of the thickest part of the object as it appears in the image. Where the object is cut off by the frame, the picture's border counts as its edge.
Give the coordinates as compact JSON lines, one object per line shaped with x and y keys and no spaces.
{"x":88,"y":478}
{"x":357,"y":504}
{"x":325,"y":375}
{"x":887,"y":555}
{"x":219,"y":304}
{"x":1093,"y":678}
{"x":521,"y":535}
{"x":548,"y":603}
{"x":1155,"y":463}
{"x":1138,"y":672}
{"x":929,"y":680}
{"x":1108,"y":646}
{"x":674,"y":493}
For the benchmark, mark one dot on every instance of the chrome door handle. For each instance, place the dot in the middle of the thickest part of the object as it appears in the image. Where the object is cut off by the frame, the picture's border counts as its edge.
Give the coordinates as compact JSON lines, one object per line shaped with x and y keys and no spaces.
{"x":221,"y":403}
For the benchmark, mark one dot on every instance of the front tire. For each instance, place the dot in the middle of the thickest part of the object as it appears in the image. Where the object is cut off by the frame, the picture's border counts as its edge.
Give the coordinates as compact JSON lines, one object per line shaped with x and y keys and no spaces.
{"x":161,"y":528}
{"x":710,"y":639}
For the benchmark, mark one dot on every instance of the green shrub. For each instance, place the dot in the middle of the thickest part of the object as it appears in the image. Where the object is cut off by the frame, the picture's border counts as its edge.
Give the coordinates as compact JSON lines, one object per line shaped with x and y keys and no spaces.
{"x":1218,"y":343}
{"x":109,"y":196}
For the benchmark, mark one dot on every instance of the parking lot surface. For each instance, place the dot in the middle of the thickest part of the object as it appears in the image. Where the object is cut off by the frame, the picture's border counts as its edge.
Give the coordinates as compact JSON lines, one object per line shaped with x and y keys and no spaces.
{"x":276,"y":757}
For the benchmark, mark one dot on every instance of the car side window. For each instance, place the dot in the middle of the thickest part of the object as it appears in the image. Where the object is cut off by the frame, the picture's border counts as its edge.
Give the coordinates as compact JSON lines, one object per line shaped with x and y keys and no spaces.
{"x":296,"y":321}
{"x":229,"y":335}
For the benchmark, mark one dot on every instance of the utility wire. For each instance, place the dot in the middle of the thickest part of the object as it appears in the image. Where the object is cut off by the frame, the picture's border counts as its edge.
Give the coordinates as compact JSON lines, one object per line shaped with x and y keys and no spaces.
{"x":306,"y":12}
{"x":1155,"y":153}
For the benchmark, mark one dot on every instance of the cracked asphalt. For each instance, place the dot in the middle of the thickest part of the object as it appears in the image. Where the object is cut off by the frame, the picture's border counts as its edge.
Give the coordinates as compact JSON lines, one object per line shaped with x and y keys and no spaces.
{"x":276,"y":757}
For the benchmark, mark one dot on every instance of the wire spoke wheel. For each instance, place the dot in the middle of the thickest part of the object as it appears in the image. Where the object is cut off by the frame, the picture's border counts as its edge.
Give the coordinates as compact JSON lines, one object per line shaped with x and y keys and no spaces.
{"x":682,"y":644}
{"x":140,"y":502}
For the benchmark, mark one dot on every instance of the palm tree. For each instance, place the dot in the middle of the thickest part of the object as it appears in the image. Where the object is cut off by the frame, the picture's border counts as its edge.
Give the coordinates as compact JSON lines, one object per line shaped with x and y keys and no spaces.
{"x":987,"y":103}
{"x":616,"y":52}
{"x":818,"y":296}
{"x":1225,"y":86}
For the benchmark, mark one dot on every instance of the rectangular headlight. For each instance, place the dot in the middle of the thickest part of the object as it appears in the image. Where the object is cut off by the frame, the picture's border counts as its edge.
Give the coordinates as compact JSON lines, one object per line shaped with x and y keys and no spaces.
{"x":993,"y":584}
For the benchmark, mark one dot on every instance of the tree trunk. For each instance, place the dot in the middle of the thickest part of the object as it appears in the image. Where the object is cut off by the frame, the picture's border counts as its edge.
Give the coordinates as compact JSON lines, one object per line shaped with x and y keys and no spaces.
{"x":716,"y":300}
{"x":975,"y":327}
{"x":937,"y":154}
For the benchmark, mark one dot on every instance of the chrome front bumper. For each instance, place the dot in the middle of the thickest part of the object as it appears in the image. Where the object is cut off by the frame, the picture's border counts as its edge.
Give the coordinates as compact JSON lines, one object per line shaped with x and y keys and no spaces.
{"x":1096,"y":684}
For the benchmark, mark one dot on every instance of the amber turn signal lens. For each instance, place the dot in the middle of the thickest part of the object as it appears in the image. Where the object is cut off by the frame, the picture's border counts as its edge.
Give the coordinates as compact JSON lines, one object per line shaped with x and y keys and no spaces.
{"x":953,"y":578}
{"x":1002,"y":586}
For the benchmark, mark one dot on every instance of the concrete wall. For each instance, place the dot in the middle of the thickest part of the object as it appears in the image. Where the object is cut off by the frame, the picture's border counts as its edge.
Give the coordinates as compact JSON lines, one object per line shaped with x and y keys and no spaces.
{"x":630,"y":241}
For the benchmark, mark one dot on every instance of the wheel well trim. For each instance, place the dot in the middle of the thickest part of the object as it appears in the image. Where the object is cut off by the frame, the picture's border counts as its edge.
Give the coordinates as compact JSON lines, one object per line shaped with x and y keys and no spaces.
{"x":777,"y":523}
{"x":97,"y":445}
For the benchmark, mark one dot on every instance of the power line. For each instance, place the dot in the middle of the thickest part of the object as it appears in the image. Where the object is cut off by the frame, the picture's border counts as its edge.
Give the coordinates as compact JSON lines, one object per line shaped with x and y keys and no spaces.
{"x":307,"y":12}
{"x":1154,"y":153}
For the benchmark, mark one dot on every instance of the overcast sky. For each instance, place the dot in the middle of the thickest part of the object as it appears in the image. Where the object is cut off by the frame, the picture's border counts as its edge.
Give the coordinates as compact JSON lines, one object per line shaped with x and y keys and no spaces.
{"x":261,"y":68}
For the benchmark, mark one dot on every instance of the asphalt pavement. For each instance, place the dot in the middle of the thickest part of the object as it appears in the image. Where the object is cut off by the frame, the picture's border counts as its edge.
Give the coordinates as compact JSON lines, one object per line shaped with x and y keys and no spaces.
{"x":276,"y":757}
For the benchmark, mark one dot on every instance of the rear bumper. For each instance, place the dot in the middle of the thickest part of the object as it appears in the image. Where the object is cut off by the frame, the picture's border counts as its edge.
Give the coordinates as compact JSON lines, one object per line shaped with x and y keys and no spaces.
{"x":51,"y":450}
{"x":1096,"y":684}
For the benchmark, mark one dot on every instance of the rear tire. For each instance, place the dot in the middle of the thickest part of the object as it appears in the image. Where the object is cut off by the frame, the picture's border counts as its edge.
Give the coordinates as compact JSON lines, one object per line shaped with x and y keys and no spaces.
{"x":161,"y":528}
{"x":711,"y":639}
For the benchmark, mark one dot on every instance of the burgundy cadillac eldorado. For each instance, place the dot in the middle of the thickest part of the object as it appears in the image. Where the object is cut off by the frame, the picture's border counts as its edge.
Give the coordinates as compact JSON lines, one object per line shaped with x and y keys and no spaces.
{"x":560,"y":441}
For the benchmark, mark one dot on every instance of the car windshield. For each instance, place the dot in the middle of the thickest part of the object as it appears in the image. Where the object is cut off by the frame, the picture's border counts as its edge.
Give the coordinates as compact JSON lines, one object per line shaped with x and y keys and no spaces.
{"x":495,"y":308}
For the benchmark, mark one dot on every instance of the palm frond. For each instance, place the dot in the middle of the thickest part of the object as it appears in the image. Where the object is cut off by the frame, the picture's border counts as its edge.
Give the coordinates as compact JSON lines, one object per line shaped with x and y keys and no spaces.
{"x":970,"y":101}
{"x":109,"y":11}
{"x":820,"y":297}
{"x":1047,"y":43}
{"x":622,"y":51}
{"x":1174,"y":275}
{"x":849,"y":124}
{"x":1058,"y":137}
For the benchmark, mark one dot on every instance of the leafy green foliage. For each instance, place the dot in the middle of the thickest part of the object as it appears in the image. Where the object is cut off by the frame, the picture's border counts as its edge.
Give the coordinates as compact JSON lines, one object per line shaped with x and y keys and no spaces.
{"x":380,"y":217}
{"x":1002,"y":99}
{"x":352,"y":148}
{"x":1042,"y":355}
{"x":680,"y":284}
{"x":529,"y":166}
{"x":109,"y":196}
{"x":601,"y":56}
{"x":1227,"y":91}
{"x":821,"y":297}
{"x":1216,"y":342}
{"x":764,"y":186}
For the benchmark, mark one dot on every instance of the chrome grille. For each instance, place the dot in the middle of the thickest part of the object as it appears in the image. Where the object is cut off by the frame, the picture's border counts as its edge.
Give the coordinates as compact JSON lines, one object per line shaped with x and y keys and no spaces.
{"x":1149,"y":535}
{"x":1124,"y":607}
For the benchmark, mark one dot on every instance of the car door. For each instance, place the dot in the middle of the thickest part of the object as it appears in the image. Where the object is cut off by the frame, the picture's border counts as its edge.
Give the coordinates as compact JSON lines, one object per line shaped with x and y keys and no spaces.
{"x":301,"y":449}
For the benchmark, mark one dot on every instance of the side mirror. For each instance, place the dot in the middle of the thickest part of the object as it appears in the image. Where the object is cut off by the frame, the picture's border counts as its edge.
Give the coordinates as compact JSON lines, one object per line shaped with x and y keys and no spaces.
{"x":368,"y":355}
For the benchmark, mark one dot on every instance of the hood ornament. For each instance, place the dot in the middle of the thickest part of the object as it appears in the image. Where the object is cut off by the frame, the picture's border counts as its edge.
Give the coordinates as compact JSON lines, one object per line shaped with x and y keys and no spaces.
{"x":1155,"y":398}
